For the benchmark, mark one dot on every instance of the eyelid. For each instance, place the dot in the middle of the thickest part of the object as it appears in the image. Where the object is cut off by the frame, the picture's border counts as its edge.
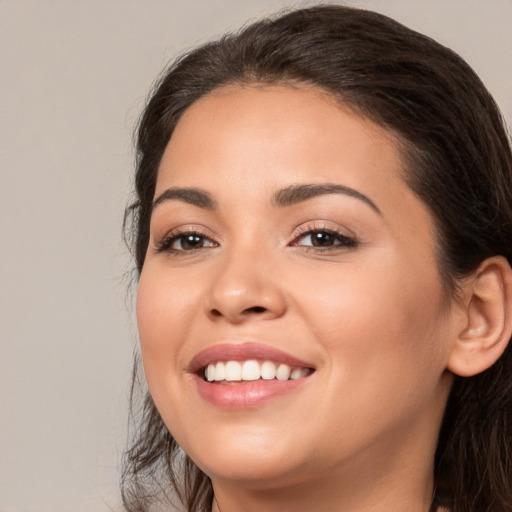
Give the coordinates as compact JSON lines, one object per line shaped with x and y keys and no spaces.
{"x":322,"y":225}
{"x":163,"y":243}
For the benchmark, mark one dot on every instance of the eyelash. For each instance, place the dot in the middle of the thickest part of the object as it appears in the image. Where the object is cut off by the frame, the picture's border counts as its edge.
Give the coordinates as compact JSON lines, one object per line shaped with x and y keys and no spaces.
{"x":340,"y":240}
{"x":165,"y":245}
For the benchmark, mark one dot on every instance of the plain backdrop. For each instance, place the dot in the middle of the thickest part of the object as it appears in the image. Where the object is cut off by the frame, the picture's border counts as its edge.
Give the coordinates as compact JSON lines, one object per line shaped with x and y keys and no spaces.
{"x":73,"y":80}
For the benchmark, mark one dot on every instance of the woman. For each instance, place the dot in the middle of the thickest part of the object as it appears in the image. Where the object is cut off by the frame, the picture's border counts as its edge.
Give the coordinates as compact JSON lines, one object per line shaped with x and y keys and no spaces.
{"x":322,"y":233}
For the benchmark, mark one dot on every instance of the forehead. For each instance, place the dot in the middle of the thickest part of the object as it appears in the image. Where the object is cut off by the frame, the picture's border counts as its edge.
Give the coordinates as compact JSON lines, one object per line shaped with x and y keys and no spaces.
{"x":276,"y":129}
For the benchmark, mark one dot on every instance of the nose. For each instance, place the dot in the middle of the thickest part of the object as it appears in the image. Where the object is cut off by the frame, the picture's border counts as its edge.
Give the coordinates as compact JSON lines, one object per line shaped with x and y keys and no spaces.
{"x":242,"y":290}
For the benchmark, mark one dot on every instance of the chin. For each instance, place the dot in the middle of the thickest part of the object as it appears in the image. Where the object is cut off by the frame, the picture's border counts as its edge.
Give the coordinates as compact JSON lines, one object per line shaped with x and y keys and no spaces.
{"x":247,"y":457}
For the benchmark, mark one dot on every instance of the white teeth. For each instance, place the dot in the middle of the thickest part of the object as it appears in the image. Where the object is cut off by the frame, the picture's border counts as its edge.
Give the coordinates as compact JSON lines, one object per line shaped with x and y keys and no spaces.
{"x":268,"y":370}
{"x":251,"y":370}
{"x":233,"y":370}
{"x":283,"y":372}
{"x":297,"y":373}
{"x":210,"y":372}
{"x":220,"y":371}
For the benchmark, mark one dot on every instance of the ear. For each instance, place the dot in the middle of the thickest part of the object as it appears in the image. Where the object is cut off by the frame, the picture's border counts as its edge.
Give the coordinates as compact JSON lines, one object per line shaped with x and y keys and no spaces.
{"x":487,"y":319}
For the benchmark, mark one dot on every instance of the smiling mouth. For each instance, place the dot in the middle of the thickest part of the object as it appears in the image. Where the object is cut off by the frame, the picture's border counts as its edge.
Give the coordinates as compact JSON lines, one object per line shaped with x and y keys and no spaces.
{"x":241,"y":372}
{"x":246,"y":376}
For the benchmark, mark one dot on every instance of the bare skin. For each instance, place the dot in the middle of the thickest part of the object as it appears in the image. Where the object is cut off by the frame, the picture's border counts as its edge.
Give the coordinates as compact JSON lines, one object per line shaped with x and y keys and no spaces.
{"x":344,"y":279}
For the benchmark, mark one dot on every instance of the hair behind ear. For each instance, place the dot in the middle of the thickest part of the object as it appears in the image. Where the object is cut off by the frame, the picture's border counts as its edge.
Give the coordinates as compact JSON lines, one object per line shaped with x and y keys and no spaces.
{"x":474,"y":445}
{"x":473,"y":451}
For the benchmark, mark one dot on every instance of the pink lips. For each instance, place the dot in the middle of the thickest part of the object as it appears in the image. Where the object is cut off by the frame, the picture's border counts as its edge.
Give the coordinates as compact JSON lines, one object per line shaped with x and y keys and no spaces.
{"x":244,"y":394}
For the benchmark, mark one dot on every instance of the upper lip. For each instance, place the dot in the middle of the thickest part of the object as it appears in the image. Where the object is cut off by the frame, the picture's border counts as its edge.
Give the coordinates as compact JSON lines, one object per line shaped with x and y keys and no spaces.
{"x":243,"y":352}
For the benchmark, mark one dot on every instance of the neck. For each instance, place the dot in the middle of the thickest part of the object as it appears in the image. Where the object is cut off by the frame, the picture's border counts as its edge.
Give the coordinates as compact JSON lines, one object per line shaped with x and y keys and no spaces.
{"x":322,"y":498}
{"x":381,"y":483}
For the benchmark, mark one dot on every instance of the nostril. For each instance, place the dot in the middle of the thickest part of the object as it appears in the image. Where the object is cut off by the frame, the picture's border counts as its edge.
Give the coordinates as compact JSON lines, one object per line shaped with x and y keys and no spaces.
{"x":255,"y":309}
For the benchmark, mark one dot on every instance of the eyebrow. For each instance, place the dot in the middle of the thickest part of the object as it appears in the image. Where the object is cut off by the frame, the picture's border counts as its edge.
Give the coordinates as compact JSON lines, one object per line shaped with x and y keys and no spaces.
{"x":285,"y":197}
{"x":302,"y":192}
{"x":194,"y":196}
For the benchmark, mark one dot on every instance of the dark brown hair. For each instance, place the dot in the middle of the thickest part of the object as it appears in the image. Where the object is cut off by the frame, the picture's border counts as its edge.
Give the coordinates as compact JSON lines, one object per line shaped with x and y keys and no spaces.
{"x":458,"y":162}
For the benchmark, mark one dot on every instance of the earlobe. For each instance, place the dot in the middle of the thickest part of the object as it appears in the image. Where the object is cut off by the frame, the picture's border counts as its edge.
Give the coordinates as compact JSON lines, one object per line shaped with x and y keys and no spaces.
{"x":488,"y":319}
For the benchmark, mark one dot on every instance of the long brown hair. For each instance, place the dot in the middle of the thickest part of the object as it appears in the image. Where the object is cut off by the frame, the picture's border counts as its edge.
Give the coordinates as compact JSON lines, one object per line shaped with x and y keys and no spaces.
{"x":459,"y":163}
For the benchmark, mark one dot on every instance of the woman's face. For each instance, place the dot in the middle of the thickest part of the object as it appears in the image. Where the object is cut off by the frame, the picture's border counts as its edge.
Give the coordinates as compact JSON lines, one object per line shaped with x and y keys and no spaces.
{"x":284,"y":240}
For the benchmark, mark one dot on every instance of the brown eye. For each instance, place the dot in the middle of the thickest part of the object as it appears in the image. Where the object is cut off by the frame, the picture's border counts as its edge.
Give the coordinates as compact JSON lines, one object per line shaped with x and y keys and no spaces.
{"x":189,"y":242}
{"x":324,"y":239}
{"x":185,"y":242}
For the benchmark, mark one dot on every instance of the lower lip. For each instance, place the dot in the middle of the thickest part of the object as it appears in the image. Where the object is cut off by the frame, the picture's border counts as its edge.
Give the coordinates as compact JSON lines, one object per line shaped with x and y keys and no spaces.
{"x":246,"y":395}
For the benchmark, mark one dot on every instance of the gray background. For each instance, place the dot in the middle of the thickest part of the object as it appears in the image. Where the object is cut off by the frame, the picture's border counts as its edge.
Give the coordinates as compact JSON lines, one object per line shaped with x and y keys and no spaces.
{"x":73,"y":78}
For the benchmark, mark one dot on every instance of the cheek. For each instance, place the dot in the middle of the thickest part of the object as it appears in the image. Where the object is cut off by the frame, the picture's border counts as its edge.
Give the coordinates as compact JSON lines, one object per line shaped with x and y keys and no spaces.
{"x":165,"y":307}
{"x":386,"y":354}
{"x":163,"y":314}
{"x":382,"y":320}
